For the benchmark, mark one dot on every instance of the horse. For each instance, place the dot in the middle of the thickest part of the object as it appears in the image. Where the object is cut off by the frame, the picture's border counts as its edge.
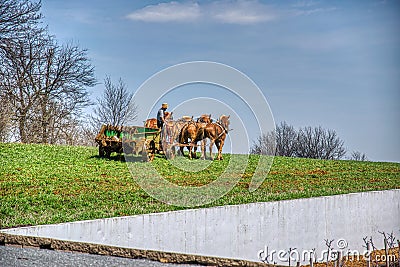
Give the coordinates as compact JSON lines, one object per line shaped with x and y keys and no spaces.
{"x":217,"y":132}
{"x":171,"y":132}
{"x":202,"y":121}
{"x":152,"y":123}
{"x":205,"y":118}
{"x":195,"y":133}
{"x":168,"y":116}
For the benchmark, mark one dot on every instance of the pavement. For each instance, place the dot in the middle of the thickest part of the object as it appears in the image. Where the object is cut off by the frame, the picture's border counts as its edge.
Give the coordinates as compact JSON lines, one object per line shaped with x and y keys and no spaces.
{"x":27,"y":257}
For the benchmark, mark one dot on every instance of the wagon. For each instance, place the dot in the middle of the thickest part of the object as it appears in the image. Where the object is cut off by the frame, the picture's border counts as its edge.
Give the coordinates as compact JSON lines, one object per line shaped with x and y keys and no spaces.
{"x":129,"y":140}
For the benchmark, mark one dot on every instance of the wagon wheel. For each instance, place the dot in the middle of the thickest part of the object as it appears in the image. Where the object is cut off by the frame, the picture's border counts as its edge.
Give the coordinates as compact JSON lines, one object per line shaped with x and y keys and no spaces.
{"x":167,"y":147}
{"x":149,"y":149}
{"x":108,"y":153}
{"x":170,"y":152}
{"x":129,"y":147}
{"x":101,"y":151}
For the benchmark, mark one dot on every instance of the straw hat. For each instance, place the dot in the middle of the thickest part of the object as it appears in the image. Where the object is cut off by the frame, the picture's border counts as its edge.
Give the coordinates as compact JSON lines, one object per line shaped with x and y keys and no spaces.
{"x":164,"y":105}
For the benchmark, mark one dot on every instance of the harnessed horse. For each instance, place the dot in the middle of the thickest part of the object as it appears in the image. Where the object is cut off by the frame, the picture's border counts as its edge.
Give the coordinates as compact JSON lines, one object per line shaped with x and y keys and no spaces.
{"x":195,"y":132}
{"x":217,"y":132}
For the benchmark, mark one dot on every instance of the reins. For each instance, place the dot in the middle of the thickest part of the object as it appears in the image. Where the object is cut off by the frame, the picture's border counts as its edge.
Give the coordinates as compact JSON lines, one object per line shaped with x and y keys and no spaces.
{"x":224,"y":130}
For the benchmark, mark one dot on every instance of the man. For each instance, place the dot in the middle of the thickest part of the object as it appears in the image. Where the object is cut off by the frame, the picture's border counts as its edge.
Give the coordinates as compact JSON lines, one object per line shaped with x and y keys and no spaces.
{"x":160,"y":115}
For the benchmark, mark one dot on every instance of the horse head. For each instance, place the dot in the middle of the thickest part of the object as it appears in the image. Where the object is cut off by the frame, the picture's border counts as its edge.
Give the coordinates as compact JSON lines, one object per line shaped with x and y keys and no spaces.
{"x":205,"y":118}
{"x":224,"y":121}
{"x":168,"y":116}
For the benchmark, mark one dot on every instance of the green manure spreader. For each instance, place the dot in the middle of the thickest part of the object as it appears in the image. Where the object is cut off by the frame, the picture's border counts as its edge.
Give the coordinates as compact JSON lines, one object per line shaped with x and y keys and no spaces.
{"x":129,"y":140}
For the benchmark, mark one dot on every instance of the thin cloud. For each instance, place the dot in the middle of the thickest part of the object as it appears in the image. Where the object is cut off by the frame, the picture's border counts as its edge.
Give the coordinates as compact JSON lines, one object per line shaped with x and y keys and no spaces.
{"x":308,"y":12}
{"x":309,"y":7}
{"x":237,"y":17}
{"x":167,"y":12}
{"x":231,"y":12}
{"x":241,"y":12}
{"x":303,"y":4}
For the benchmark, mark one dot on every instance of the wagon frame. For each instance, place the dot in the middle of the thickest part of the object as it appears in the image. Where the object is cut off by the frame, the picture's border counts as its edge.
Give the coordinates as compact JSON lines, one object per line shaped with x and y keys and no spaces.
{"x":129,"y":140}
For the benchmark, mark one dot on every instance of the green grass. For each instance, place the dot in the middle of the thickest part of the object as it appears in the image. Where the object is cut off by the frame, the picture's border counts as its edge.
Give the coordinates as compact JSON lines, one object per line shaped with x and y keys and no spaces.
{"x":42,"y":184}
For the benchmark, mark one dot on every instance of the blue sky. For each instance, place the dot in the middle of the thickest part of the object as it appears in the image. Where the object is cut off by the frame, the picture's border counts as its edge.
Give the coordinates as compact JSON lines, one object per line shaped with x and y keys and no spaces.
{"x":329,"y":63}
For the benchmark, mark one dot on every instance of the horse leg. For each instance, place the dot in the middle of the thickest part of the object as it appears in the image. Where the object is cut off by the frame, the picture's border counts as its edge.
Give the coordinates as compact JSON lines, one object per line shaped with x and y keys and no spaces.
{"x":217,"y":145}
{"x":203,"y":149}
{"x":181,"y":142}
{"x":194,"y":151}
{"x":220,"y":151}
{"x":211,"y":146}
{"x":220,"y":145}
{"x":190,"y":150}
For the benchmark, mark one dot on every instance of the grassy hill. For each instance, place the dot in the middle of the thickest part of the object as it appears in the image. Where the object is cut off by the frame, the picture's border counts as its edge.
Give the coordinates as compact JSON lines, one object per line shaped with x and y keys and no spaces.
{"x":42,"y":184}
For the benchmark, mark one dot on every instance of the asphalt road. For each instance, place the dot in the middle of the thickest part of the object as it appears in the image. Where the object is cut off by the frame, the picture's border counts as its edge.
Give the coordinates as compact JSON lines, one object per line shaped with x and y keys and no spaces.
{"x":27,"y":257}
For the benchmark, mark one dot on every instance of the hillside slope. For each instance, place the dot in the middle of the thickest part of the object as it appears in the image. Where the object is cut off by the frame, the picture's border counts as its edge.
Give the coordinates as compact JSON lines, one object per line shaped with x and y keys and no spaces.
{"x":42,"y":184}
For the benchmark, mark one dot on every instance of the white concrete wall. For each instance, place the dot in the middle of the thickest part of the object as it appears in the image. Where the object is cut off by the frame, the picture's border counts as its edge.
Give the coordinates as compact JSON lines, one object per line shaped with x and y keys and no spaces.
{"x":241,"y":231}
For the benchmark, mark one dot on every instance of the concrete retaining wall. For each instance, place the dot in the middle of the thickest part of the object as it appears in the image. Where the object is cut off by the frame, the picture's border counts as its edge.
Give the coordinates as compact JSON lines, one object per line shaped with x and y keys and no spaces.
{"x":241,"y":231}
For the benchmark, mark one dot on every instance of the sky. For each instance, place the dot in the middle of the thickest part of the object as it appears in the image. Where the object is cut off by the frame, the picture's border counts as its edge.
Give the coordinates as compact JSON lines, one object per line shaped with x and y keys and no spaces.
{"x":334,"y":64}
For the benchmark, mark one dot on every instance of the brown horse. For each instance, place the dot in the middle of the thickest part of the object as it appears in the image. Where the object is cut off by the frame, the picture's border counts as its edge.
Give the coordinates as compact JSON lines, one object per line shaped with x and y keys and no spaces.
{"x":168,"y":116}
{"x":205,"y":118}
{"x":194,"y":132}
{"x":152,"y":123}
{"x":217,"y":132}
{"x":171,"y":133}
{"x":202,"y":121}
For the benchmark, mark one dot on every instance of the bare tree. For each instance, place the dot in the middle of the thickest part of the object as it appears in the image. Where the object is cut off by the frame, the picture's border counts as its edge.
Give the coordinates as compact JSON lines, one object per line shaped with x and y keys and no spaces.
{"x":66,"y":71}
{"x":357,"y":155}
{"x":285,"y":140}
{"x":319,"y":143}
{"x":5,"y":118}
{"x":73,"y":132}
{"x":281,"y":142}
{"x":333,"y":146}
{"x":45,"y":82}
{"x":115,"y":106}
{"x":16,"y":62}
{"x":265,"y":144}
{"x":307,"y":142}
{"x":18,"y":17}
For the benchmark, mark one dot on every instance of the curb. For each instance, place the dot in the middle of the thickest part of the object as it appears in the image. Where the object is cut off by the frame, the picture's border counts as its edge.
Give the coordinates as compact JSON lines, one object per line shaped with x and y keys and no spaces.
{"x":82,"y":247}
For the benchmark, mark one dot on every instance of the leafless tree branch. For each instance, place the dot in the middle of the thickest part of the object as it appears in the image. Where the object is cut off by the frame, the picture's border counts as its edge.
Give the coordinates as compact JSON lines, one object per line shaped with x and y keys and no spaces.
{"x":115,"y":106}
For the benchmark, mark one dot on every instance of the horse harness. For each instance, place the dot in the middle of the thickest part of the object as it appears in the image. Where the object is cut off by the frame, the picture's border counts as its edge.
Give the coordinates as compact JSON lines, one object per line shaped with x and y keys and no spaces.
{"x":223,"y":128}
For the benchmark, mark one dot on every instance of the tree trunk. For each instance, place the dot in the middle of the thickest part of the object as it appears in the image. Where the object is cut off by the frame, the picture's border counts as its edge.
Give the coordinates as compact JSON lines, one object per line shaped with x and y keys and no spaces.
{"x":22,"y":130}
{"x":44,"y":124}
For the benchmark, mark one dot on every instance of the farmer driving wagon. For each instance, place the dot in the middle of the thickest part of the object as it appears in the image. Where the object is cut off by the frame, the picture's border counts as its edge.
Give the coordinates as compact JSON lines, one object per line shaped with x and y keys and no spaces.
{"x":162,"y":135}
{"x":161,"y":115}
